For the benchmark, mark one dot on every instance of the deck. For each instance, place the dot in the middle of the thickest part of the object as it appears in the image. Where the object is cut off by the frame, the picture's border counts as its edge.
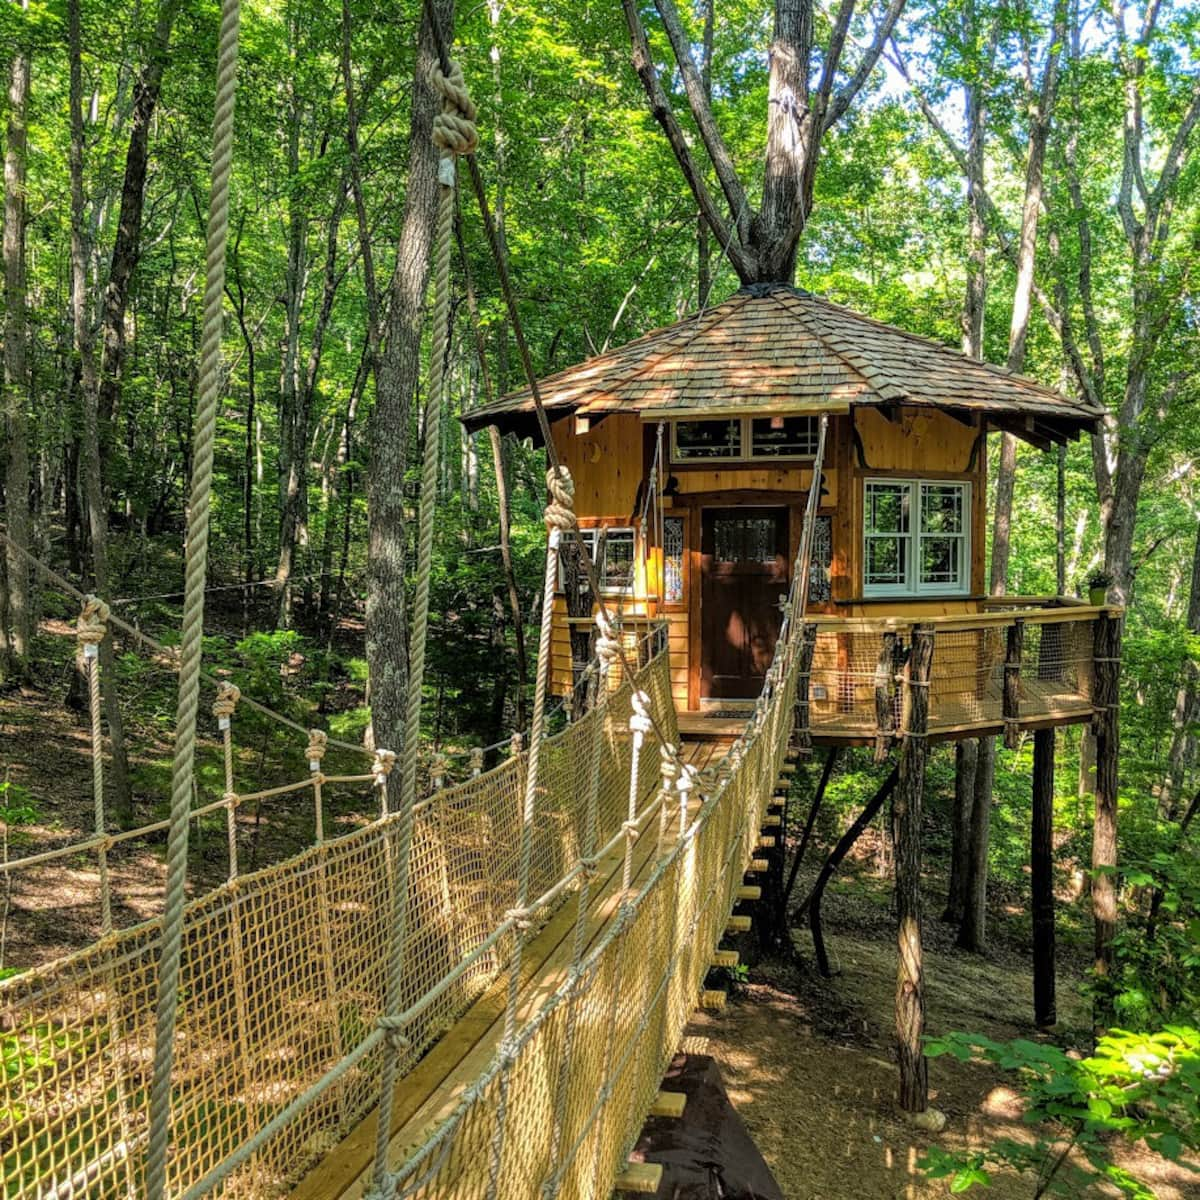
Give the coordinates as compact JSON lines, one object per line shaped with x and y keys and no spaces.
{"x":432,"y":1089}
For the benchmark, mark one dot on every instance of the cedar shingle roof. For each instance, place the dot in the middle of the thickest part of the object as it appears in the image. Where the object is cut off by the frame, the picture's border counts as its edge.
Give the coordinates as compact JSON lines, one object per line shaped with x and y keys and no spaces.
{"x":778,"y":348}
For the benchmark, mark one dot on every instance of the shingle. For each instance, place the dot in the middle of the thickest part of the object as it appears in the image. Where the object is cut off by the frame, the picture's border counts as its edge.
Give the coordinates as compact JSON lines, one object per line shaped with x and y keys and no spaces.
{"x":775,"y":345}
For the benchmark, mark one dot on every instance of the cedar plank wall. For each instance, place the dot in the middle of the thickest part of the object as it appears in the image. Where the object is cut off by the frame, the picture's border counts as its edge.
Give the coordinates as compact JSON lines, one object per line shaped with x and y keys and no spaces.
{"x":609,"y":461}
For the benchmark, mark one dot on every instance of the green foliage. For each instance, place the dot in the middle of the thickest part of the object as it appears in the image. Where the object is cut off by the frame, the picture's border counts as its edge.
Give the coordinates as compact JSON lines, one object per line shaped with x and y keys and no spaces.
{"x":1139,"y":1087}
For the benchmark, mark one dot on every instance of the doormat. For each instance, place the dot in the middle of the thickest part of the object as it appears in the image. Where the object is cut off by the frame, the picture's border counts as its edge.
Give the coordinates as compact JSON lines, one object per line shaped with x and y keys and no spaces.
{"x":707,"y":1154}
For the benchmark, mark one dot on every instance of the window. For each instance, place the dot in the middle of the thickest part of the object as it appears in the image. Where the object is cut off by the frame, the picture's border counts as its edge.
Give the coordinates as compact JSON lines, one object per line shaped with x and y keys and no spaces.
{"x":744,"y":439}
{"x":617,"y":569}
{"x":707,"y":439}
{"x":915,"y":537}
{"x":673,"y":560}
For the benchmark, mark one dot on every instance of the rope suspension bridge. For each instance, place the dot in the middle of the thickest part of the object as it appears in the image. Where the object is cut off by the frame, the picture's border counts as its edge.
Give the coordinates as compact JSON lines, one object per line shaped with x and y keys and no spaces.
{"x":556,"y":914}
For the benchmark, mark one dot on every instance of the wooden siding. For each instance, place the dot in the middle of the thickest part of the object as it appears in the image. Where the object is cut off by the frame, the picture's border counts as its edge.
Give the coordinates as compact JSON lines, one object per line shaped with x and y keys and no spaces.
{"x":610,"y":460}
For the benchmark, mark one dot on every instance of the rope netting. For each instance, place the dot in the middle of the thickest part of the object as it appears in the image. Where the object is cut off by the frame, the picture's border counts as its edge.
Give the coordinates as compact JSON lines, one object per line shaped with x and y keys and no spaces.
{"x":282,"y":971}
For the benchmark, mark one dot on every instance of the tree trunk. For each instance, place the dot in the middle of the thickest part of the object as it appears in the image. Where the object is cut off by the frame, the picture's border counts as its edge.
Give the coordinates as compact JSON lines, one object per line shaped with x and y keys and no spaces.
{"x":399,"y":369}
{"x":907,"y":807}
{"x":127,"y":246}
{"x":90,"y":455}
{"x":1182,"y":753}
{"x":1041,"y":861}
{"x":966,"y":762}
{"x":19,"y":624}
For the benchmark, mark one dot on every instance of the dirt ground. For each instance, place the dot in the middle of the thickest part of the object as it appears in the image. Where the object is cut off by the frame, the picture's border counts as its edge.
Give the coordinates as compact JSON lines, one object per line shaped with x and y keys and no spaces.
{"x":808,"y":1065}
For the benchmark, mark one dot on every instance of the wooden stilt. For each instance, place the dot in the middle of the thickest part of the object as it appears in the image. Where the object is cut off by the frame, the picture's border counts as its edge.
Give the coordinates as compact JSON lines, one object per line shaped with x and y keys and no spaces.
{"x":642,"y":1178}
{"x":910,"y":999}
{"x":1105,"y":673}
{"x":831,"y":757}
{"x":1041,"y":860}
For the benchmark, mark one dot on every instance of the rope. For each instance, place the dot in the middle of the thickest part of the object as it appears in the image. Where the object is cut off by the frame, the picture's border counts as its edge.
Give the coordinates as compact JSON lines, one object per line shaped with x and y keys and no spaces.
{"x":453,"y":133}
{"x":193,"y":608}
{"x":91,"y":629}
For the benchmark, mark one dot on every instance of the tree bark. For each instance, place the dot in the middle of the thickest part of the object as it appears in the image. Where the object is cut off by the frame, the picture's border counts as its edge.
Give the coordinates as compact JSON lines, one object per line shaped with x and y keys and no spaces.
{"x":907,"y":807}
{"x":19,"y":623}
{"x":1106,"y":672}
{"x":399,"y":369}
{"x":127,"y":246}
{"x":1182,"y":754}
{"x":966,"y":762}
{"x":90,"y":454}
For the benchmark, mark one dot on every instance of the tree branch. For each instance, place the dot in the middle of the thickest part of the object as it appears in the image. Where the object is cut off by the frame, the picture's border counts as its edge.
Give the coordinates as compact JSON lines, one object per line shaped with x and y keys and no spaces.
{"x":698,"y":101}
{"x":845,"y":96}
{"x":661,"y":110}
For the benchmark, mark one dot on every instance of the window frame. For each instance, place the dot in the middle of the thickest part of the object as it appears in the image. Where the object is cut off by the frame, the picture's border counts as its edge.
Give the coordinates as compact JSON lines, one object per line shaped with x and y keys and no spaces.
{"x":745,"y":442}
{"x":591,"y":537}
{"x":915,"y":535}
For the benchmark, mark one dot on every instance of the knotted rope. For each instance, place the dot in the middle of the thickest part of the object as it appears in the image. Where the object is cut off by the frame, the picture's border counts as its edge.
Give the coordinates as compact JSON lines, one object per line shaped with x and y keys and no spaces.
{"x":225,"y":705}
{"x":454,"y":130}
{"x":318,"y":743}
{"x":190,"y":647}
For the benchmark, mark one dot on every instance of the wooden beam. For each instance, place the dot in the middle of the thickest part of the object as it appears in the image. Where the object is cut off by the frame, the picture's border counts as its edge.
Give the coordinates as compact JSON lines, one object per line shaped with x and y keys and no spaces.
{"x":748,"y":892}
{"x":643,"y":1178}
{"x":738,"y":924}
{"x":712,"y":1000}
{"x":910,"y":994}
{"x":669,"y":1104}
{"x":725,"y":958}
{"x":885,"y":717}
{"x":1041,"y":861}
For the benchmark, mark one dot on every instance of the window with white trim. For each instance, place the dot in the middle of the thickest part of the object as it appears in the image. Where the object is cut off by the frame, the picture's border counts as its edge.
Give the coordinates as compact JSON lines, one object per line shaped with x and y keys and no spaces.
{"x":617,"y":565}
{"x":916,"y":537}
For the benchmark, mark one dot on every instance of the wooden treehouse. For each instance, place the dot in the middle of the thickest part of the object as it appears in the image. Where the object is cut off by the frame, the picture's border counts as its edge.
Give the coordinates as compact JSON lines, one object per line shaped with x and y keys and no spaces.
{"x":692,"y":451}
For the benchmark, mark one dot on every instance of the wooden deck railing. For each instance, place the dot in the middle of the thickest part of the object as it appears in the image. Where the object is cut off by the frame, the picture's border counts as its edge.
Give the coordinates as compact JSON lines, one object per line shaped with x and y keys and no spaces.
{"x":1020,"y":662}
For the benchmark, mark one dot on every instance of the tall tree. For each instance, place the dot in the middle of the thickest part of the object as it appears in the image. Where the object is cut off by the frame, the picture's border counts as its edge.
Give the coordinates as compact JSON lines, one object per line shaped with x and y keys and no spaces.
{"x":399,"y":371}
{"x":802,"y":106}
{"x":90,"y":455}
{"x":16,"y":366}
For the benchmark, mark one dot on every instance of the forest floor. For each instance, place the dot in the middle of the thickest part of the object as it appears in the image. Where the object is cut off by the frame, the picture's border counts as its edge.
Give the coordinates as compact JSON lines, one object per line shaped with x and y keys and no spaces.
{"x":808,"y":1062}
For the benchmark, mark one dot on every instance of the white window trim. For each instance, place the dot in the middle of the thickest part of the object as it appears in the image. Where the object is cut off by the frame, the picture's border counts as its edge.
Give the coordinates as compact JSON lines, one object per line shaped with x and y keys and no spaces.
{"x":913,"y":586}
{"x":747,"y":445}
{"x":591,"y":536}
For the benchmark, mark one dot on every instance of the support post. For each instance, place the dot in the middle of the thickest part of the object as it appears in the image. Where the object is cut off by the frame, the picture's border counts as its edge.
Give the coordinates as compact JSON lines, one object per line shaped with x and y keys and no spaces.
{"x":910,"y":998}
{"x":803,"y":733}
{"x":1012,"y":683}
{"x":1041,"y":861}
{"x":1106,"y":672}
{"x":885,"y":712}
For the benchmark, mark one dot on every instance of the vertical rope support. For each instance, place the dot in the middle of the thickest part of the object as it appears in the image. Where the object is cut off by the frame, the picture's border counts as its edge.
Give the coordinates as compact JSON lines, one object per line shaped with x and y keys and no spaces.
{"x":560,"y":519}
{"x":588,"y":871}
{"x":453,"y":133}
{"x":193,"y":606}
{"x":90,"y":630}
{"x":639,"y":726}
{"x":224,"y":706}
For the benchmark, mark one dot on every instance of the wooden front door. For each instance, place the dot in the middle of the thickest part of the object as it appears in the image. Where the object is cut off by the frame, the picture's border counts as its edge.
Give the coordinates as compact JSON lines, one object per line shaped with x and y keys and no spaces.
{"x":744,"y":575}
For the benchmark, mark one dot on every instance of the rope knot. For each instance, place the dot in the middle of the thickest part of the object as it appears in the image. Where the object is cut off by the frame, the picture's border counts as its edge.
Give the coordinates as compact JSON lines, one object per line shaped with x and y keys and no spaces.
{"x":393,"y":1029}
{"x":518,"y":744}
{"x":589,"y":867}
{"x":560,"y":512}
{"x":522,"y":919}
{"x":631,"y":830}
{"x":668,"y":763}
{"x":608,"y":647}
{"x":477,"y":761}
{"x":454,"y":130}
{"x":381,"y":768}
{"x":318,"y":743}
{"x":225,"y":704}
{"x":93,"y":621}
{"x":438,"y":766}
{"x":640,"y":721}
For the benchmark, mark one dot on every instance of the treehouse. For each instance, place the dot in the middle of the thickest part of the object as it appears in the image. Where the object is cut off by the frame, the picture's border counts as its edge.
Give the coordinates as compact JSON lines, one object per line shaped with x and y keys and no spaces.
{"x":693,"y":451}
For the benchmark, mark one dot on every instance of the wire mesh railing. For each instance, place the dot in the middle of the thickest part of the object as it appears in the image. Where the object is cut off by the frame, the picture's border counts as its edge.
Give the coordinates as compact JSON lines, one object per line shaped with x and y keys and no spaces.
{"x":990,"y":670}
